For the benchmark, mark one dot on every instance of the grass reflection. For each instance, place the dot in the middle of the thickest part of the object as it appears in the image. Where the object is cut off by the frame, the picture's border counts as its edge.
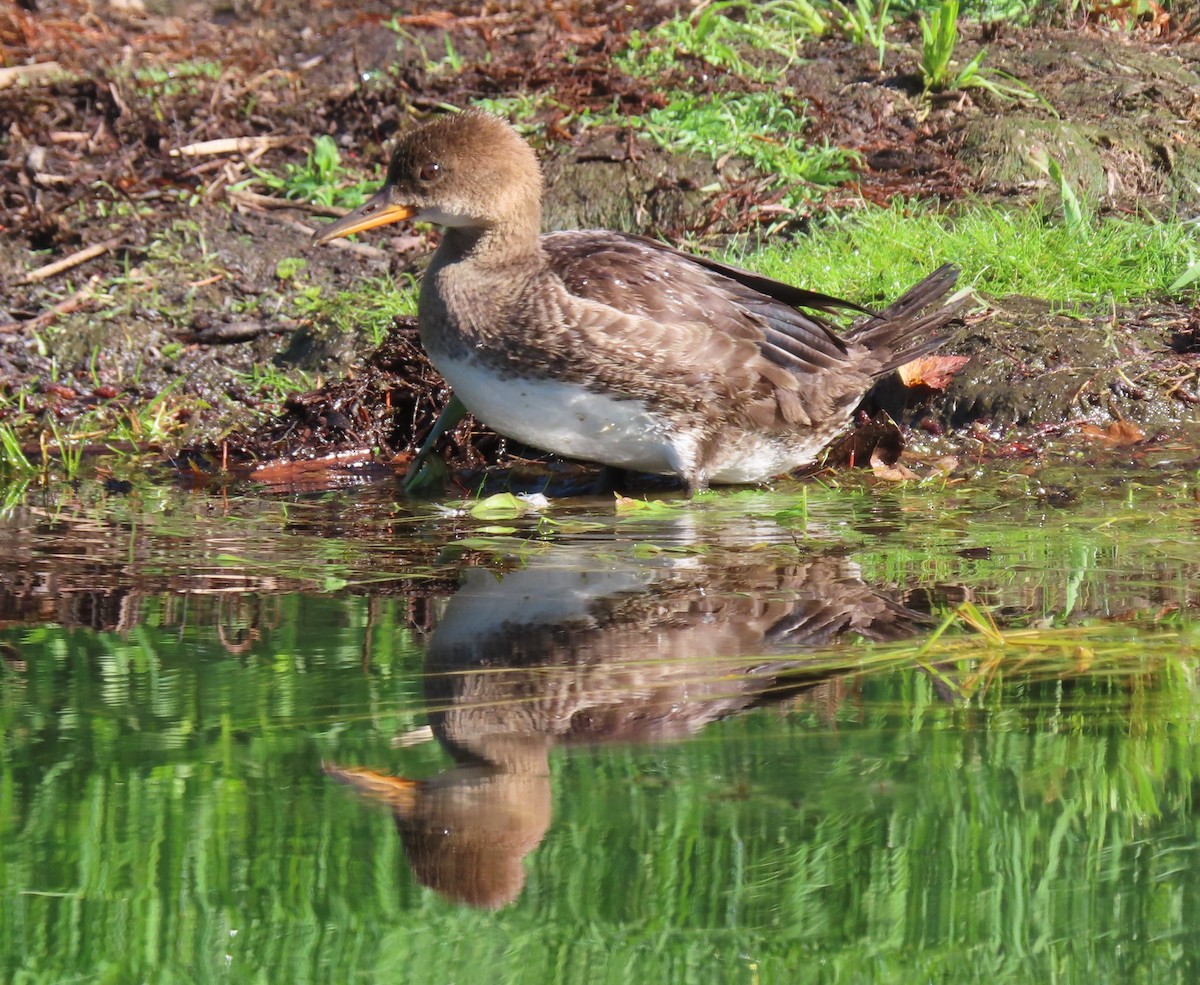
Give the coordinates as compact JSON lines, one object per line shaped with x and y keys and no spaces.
{"x":1006,"y":796}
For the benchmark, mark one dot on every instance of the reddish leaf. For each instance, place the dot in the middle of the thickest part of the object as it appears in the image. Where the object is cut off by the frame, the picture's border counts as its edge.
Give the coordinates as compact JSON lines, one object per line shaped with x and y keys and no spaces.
{"x":935,"y":372}
{"x":1120,"y":433}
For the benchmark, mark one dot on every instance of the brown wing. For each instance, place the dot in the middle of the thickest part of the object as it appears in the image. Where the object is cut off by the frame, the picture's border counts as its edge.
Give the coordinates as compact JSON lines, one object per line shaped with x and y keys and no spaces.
{"x":644,"y":278}
{"x":788,"y":294}
{"x":633,"y":303}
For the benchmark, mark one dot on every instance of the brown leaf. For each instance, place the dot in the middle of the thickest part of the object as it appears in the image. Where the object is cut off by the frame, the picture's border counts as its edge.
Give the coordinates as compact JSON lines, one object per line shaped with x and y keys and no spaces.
{"x":935,"y":372}
{"x":1120,"y":434}
{"x":894,"y":472}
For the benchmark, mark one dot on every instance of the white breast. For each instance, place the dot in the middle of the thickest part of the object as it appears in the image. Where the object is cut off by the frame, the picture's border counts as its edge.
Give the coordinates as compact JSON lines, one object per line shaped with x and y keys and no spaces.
{"x":570,"y":420}
{"x":565,"y":418}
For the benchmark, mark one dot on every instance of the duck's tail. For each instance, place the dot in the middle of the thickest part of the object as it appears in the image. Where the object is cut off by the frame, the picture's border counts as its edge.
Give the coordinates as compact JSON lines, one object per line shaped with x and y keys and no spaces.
{"x":909,"y":326}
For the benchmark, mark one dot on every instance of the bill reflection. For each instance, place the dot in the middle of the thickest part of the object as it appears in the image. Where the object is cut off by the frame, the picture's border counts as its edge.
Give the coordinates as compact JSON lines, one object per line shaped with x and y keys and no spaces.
{"x":568,"y":651}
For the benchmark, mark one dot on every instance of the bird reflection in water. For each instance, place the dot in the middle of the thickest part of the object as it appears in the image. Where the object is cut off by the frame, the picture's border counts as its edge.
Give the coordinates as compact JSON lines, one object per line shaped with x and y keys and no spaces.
{"x":569,"y":651}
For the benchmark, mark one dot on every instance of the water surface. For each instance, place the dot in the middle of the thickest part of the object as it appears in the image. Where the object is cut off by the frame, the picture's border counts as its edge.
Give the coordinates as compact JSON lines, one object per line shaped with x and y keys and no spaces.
{"x":337,"y":738}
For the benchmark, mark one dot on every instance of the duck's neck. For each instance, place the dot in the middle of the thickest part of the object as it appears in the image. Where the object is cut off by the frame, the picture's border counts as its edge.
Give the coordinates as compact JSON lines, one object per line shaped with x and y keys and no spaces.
{"x":474,"y":278}
{"x":513,"y":241}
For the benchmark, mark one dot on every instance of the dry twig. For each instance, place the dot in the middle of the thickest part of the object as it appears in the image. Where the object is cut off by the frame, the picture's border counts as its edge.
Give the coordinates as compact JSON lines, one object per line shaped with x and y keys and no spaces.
{"x":29,"y":74}
{"x":233,"y":145}
{"x":68,"y":262}
{"x":255,"y":200}
{"x":64,"y":307}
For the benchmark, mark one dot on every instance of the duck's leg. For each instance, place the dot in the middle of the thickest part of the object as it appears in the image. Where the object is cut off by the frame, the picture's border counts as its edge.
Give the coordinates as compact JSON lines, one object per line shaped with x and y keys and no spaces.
{"x":416,"y":477}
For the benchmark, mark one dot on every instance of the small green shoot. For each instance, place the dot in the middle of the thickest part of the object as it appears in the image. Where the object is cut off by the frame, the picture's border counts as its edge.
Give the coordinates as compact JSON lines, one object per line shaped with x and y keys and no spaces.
{"x":452,"y":63}
{"x":1189,"y":276}
{"x":1073,"y":210}
{"x":13,"y":461}
{"x":13,"y":492}
{"x":69,"y":450}
{"x":939,"y":36}
{"x":288,"y":267}
{"x":151,"y":423}
{"x":866,"y":24}
{"x":321,"y":179}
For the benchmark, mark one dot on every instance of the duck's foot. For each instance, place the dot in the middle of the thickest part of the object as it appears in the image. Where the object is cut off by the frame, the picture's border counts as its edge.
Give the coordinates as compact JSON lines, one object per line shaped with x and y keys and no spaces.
{"x":426,"y":474}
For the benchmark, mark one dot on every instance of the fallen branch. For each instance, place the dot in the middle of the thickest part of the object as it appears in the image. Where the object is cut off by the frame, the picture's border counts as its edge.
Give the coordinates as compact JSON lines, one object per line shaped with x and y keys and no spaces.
{"x":361,"y":249}
{"x":255,"y":200}
{"x":68,"y":262}
{"x":448,"y":21}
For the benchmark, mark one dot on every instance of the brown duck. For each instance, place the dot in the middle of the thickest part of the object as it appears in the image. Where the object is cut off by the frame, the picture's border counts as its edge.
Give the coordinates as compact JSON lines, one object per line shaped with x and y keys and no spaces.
{"x":618,"y":349}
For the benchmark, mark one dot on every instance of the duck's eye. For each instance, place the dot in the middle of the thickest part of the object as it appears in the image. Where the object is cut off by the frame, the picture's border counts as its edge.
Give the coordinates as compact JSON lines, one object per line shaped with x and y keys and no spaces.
{"x":430,"y":172}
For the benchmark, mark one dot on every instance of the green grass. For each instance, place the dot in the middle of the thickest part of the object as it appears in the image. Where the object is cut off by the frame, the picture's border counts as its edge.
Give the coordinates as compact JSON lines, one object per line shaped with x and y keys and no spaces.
{"x":272,"y":385}
{"x":162,"y":74}
{"x":522,"y":109}
{"x":879,"y":252}
{"x":723,"y":35}
{"x":763,"y":128}
{"x":370,"y":307}
{"x":183,"y":77}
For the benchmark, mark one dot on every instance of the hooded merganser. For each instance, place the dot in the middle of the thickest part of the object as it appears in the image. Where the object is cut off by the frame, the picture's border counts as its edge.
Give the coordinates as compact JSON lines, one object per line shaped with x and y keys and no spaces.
{"x":618,"y":349}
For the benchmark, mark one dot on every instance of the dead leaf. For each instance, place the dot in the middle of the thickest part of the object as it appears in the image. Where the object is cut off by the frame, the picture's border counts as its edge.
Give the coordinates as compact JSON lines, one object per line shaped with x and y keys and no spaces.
{"x":894,"y":472}
{"x":1120,"y":434}
{"x":935,"y":372}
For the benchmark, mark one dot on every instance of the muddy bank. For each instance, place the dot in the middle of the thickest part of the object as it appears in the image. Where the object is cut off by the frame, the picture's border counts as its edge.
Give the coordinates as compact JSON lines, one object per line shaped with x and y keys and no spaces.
{"x":1033,"y":365}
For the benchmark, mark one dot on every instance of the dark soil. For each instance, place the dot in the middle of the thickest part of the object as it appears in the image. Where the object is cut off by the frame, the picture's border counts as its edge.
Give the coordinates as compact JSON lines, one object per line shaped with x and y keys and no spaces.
{"x":188,"y":293}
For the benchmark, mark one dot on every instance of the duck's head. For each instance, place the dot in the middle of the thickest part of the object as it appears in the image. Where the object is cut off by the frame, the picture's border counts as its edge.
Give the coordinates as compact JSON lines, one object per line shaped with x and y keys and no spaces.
{"x":469,"y":170}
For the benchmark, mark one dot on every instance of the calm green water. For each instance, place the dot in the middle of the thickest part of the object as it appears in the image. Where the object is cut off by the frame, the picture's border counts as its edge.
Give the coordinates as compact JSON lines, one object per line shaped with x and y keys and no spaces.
{"x":335,"y":739}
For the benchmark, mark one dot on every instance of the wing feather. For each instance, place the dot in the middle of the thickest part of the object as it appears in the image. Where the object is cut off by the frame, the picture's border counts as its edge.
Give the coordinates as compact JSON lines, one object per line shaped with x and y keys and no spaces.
{"x":642,"y":277}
